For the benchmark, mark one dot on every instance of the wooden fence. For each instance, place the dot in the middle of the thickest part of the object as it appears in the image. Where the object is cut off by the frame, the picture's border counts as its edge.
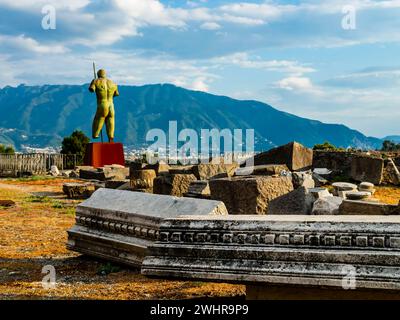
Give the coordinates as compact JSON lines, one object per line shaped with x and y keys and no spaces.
{"x":16,"y":165}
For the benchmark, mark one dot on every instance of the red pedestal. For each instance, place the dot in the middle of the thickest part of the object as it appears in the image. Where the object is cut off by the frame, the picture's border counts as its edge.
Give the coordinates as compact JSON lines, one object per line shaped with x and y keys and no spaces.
{"x":100,"y":154}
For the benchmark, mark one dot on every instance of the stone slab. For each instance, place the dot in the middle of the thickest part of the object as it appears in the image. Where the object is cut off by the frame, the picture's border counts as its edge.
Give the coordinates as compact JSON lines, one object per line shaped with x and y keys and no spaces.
{"x":249,"y":194}
{"x":307,"y":251}
{"x":294,"y":155}
{"x":358,"y":207}
{"x":366,"y":168}
{"x":119,"y":225}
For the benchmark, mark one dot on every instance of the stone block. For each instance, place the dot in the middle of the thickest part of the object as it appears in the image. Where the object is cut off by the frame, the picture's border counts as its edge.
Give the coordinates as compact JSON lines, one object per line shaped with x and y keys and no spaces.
{"x":262,"y":170}
{"x":115,"y":184}
{"x":339,"y":162}
{"x":356,"y":207}
{"x":78,"y":190}
{"x":142,"y":179}
{"x":299,"y":201}
{"x":206,"y":171}
{"x":367,"y":168}
{"x":199,"y":189}
{"x":115,"y":172}
{"x":249,"y":194}
{"x":327,"y":206}
{"x":294,"y":155}
{"x":119,"y":225}
{"x":173,"y":184}
{"x":391,"y":174}
{"x":7,"y":203}
{"x":303,"y":179}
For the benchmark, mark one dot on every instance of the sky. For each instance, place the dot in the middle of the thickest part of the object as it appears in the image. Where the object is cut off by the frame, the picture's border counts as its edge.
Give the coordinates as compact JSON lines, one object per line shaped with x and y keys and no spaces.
{"x":335,"y":61}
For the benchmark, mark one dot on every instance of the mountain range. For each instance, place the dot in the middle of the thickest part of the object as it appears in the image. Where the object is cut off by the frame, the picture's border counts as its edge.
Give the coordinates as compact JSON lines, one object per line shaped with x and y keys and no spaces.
{"x":40,"y":116}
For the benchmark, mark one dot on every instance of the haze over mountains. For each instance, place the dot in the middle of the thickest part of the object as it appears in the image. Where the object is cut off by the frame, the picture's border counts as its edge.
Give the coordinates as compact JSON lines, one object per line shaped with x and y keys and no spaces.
{"x":41,"y":116}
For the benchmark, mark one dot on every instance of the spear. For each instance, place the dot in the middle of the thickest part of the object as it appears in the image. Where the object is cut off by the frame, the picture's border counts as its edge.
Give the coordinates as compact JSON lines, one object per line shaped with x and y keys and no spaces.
{"x":95,"y":77}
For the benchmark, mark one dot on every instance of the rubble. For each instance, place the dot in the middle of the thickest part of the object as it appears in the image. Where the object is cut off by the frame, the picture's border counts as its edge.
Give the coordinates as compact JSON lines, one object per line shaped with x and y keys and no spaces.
{"x":249,"y":195}
{"x":327,"y":206}
{"x":173,"y":184}
{"x":294,"y":155}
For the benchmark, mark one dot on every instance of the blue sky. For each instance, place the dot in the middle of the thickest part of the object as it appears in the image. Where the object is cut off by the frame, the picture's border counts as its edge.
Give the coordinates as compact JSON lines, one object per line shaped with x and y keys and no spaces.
{"x":294,"y":55}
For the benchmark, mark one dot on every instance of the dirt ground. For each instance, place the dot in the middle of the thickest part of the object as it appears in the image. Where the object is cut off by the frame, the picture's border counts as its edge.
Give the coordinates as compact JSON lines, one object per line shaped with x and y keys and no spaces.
{"x":33,"y":235}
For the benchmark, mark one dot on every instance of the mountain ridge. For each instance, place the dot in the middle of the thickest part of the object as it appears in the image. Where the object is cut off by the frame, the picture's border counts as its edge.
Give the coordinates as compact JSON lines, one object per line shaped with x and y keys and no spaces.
{"x":40,"y":116}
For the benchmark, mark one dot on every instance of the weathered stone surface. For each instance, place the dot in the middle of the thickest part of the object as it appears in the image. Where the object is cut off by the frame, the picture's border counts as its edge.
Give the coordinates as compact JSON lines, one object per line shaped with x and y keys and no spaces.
{"x":109,"y":172}
{"x":365,"y":168}
{"x":319,"y":193}
{"x":54,"y":171}
{"x":159,"y":167}
{"x":358,"y":195}
{"x":199,"y":189}
{"x":367,"y":187}
{"x":66,"y":173}
{"x":78,"y":190}
{"x":356,"y":207}
{"x":307,"y":251}
{"x":299,"y":201}
{"x":251,"y":194}
{"x":7,"y":203}
{"x":142,"y":179}
{"x":339,"y":162}
{"x":262,"y":170}
{"x":173,"y":184}
{"x":136,"y":165}
{"x":120,"y":225}
{"x":115,"y":172}
{"x":327,"y":206}
{"x":344,"y":186}
{"x":115,"y":184}
{"x":74,"y":174}
{"x":319,"y":181}
{"x":303,"y":179}
{"x":294,"y":155}
{"x":391,"y":174}
{"x":181,"y":169}
{"x":204,"y":171}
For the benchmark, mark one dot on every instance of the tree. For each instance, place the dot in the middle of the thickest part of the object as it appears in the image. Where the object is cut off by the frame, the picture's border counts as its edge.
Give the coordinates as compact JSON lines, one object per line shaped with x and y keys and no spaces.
{"x":6,"y":149}
{"x":75,"y":144}
{"x":324,"y":146}
{"x":388,"y":145}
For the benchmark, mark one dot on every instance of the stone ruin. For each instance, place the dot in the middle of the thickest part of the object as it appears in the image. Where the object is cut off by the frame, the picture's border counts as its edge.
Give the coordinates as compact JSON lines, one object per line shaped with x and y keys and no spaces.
{"x":286,"y":208}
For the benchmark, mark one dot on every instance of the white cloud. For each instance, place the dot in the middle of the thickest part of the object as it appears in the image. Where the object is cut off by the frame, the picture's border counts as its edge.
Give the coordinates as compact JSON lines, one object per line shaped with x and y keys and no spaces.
{"x":243,"y":60}
{"x":27,"y":44}
{"x":200,"y":84}
{"x":210,"y":26}
{"x":296,"y":84}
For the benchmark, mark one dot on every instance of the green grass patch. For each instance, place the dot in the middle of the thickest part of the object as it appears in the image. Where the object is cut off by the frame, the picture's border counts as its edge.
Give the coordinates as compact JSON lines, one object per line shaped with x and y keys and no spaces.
{"x":107,"y":268}
{"x":32,"y":178}
{"x":39,"y":199}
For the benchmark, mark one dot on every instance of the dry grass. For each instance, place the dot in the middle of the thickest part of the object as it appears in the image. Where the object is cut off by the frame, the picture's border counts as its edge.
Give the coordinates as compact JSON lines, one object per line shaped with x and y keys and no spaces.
{"x":33,"y":234}
{"x":390,"y":195}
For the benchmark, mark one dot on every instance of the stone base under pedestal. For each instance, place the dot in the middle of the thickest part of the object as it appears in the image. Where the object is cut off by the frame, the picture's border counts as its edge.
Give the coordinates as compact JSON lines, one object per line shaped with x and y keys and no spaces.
{"x":99,"y":154}
{"x":288,"y":292}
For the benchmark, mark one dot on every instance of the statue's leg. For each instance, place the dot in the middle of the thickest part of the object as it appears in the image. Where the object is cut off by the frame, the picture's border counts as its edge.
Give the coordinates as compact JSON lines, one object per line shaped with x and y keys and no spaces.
{"x":110,"y":123}
{"x":98,"y":120}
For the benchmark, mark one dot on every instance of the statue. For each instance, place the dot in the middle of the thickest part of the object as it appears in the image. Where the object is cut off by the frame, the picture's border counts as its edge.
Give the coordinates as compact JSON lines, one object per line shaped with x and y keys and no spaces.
{"x":105,"y":90}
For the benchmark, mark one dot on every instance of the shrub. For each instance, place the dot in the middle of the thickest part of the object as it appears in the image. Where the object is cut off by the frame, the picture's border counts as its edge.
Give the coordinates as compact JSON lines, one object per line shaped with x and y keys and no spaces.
{"x":75,"y":144}
{"x":6,"y":149}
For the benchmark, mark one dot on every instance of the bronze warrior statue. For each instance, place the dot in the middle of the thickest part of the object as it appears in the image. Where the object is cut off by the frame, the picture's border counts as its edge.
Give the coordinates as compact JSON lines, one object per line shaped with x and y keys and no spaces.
{"x":105,"y":90}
